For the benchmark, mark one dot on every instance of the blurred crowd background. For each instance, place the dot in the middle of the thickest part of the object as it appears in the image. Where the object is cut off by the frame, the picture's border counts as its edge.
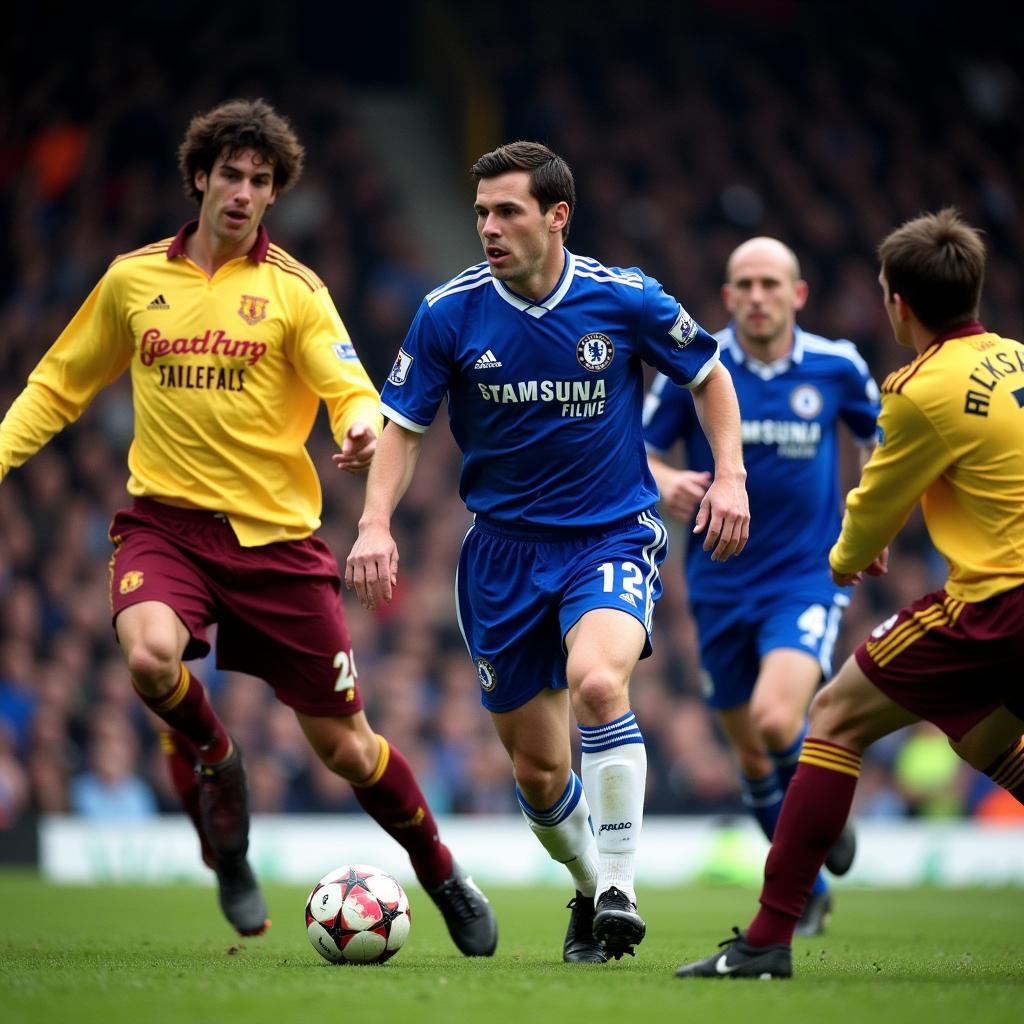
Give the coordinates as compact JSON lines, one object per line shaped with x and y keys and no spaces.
{"x":690,"y":127}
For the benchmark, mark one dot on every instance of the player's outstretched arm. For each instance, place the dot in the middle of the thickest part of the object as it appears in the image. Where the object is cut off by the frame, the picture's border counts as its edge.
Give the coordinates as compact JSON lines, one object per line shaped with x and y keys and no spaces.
{"x":724,"y":513}
{"x":681,"y":489}
{"x":371,"y":568}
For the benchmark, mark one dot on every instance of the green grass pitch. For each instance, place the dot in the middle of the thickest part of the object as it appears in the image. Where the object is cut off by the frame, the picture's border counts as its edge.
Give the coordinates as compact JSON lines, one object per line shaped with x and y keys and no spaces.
{"x":149,"y":955}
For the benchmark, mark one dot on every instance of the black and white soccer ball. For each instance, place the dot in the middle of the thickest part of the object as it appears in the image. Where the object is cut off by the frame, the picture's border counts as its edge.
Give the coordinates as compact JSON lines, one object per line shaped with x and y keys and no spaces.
{"x":357,"y":914}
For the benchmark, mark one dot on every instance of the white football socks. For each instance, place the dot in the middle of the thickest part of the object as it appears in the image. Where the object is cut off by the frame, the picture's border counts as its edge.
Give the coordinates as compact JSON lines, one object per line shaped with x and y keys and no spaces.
{"x":564,"y":831}
{"x":614,"y":769}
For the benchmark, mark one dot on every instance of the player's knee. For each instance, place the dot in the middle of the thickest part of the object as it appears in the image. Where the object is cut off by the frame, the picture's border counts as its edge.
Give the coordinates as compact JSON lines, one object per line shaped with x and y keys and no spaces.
{"x":776,"y":727}
{"x":154,"y":666}
{"x":541,"y":781}
{"x":834,"y":718}
{"x":598,"y":695}
{"x":352,"y":756}
{"x":824,"y":714}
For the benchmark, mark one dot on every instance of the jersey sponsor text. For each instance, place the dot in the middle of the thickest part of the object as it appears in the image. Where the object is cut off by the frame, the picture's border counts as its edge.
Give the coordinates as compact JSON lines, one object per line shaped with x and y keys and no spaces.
{"x":153,"y":345}
{"x":577,"y":397}
{"x":794,"y":439}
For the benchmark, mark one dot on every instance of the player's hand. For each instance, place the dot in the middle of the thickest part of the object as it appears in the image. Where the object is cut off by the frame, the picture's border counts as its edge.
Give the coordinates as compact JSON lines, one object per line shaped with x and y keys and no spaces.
{"x":371,"y":569}
{"x":846,"y":579}
{"x":878,"y":567}
{"x":725,"y":514}
{"x":357,"y":449}
{"x":683,"y":491}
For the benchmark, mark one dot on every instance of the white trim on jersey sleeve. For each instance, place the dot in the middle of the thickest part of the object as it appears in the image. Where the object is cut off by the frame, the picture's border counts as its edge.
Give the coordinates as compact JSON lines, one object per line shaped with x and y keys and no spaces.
{"x":698,"y":377}
{"x":403,"y":421}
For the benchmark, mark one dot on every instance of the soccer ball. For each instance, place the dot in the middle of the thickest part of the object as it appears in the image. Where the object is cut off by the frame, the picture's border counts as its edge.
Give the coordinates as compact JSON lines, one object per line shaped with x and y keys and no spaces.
{"x":357,"y":914}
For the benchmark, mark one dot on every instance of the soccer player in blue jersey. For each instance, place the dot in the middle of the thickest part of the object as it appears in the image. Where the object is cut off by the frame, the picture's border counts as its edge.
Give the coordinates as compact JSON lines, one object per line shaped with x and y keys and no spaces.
{"x":767,"y":622}
{"x":538,"y":352}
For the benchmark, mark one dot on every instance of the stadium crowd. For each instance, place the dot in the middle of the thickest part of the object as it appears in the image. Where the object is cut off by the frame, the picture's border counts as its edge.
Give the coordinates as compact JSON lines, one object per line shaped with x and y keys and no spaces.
{"x":689,"y":130}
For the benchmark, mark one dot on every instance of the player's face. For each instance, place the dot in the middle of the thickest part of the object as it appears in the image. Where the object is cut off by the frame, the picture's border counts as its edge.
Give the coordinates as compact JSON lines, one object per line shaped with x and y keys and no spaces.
{"x":236,"y":194}
{"x":523,"y":245}
{"x":763,"y":293}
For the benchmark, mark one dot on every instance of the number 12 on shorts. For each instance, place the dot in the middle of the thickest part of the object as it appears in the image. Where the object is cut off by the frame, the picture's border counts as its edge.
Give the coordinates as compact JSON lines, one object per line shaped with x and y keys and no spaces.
{"x":631,"y":579}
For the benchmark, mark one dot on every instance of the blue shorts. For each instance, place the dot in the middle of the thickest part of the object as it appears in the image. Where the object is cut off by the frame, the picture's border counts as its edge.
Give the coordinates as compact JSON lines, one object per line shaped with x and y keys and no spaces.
{"x":735,"y":637}
{"x":518,"y":593}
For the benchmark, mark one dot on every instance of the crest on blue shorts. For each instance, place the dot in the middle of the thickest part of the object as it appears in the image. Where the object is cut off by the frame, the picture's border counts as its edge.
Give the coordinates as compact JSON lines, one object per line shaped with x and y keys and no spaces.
{"x":486,"y":674}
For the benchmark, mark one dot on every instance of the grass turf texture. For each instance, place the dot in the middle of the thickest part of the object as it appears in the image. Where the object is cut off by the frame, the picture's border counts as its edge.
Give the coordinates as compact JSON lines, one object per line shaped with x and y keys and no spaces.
{"x":128,"y":954}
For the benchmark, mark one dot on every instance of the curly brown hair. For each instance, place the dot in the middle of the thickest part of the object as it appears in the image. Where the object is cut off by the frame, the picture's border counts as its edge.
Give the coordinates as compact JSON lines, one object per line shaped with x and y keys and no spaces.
{"x":235,"y":126}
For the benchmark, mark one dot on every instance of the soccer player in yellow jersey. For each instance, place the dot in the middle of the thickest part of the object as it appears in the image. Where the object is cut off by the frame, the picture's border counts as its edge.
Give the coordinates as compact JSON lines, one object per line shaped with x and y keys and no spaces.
{"x":949,"y":436}
{"x":231,"y":345}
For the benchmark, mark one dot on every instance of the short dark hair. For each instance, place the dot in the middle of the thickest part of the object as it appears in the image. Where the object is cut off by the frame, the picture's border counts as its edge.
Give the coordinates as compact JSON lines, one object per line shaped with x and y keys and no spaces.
{"x":235,"y":126}
{"x":936,"y":263}
{"x":551,"y":180}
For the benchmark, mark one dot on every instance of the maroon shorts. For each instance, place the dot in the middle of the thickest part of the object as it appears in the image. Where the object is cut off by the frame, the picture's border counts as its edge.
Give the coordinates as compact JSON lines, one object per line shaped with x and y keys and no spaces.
{"x":951,"y":662}
{"x":277,"y":607}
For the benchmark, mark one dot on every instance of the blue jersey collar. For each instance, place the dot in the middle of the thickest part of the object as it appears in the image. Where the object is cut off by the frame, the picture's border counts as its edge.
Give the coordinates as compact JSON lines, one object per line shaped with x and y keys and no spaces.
{"x":766,"y":371}
{"x":548,"y":303}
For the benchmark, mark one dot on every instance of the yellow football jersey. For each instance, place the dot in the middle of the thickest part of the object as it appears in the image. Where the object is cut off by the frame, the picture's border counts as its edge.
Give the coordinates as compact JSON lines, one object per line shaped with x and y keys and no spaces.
{"x":951,"y":433}
{"x":227,"y":374}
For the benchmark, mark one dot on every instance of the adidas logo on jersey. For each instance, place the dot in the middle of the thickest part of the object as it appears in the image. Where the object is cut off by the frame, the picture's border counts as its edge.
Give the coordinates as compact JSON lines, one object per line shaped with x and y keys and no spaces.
{"x":158,"y":303}
{"x":488,"y":361}
{"x":628,"y":598}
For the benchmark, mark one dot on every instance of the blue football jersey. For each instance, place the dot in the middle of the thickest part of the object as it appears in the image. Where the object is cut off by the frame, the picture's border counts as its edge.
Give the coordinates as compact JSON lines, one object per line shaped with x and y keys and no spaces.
{"x":790,"y":414}
{"x":545,"y":398}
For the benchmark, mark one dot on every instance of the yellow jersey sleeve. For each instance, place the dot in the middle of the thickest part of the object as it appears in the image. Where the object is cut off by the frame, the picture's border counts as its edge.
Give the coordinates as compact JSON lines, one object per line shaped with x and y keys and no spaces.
{"x":910,"y":456}
{"x":92,"y":351}
{"x":326,"y":361}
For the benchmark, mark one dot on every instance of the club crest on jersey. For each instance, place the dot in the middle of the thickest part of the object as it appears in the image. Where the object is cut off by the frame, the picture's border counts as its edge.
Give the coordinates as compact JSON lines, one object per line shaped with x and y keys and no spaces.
{"x":130,"y":581}
{"x":486,"y":674}
{"x":400,"y":371}
{"x":806,"y":401}
{"x":683,"y":330}
{"x":595,"y":352}
{"x":253,"y":309}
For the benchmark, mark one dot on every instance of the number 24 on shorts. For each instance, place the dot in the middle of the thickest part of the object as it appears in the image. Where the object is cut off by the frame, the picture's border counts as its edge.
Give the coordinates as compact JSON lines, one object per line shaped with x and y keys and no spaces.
{"x":345,"y":663}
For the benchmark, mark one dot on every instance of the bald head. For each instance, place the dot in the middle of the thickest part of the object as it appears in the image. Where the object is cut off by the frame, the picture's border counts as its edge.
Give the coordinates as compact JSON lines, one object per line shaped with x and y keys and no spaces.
{"x":763,"y":291}
{"x":766,"y":248}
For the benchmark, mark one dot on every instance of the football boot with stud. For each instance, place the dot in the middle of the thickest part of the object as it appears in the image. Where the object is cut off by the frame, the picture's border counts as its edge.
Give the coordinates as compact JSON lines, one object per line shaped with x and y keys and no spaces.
{"x":737,"y":959}
{"x":467,"y":913}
